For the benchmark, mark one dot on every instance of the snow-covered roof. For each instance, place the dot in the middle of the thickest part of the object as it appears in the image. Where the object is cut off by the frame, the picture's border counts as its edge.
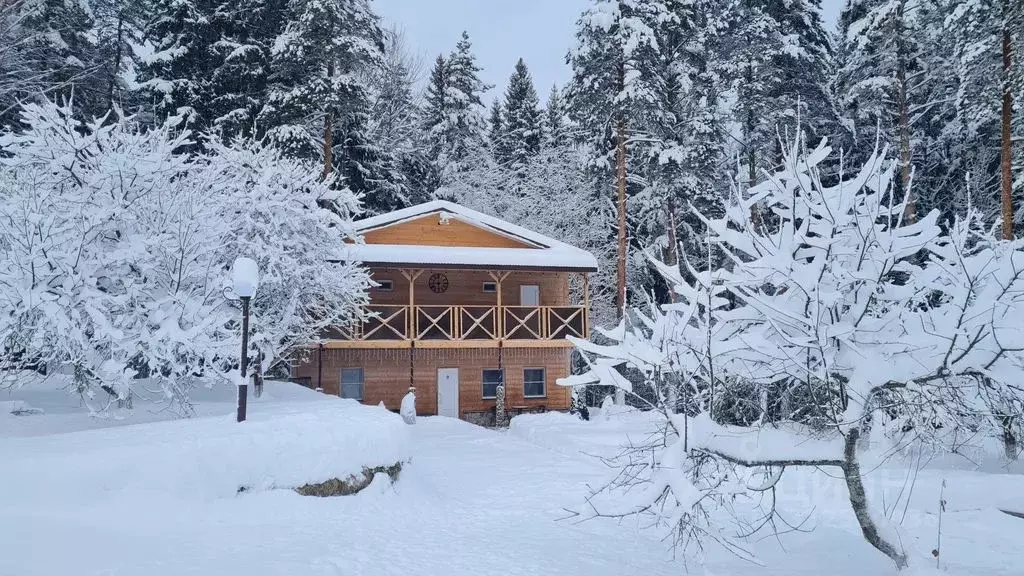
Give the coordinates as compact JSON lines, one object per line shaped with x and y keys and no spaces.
{"x":544,"y":253}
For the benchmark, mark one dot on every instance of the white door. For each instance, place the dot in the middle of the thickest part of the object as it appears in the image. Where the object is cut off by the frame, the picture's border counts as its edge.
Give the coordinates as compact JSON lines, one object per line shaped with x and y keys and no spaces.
{"x":448,"y":392}
{"x":529,"y":295}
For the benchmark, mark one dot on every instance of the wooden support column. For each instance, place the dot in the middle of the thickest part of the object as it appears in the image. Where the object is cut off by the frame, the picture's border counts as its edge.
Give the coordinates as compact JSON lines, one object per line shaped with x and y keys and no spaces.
{"x":586,"y":305}
{"x":499,"y":400}
{"x":320,"y":369}
{"x":499,"y":323}
{"x":410,"y":322}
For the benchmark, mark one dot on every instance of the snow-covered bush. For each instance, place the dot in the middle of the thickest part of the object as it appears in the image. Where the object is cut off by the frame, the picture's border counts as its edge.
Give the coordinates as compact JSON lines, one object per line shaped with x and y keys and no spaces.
{"x":116,"y":247}
{"x":831,"y":313}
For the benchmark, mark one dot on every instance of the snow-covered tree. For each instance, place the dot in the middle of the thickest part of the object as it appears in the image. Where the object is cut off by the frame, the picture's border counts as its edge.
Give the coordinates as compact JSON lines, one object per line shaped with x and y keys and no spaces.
{"x":394,"y":127}
{"x":317,"y":63}
{"x":454,"y":114}
{"x":116,"y":252}
{"x":830,"y":307}
{"x":521,"y":121}
{"x":47,"y":49}
{"x":880,"y":57}
{"x":555,"y":124}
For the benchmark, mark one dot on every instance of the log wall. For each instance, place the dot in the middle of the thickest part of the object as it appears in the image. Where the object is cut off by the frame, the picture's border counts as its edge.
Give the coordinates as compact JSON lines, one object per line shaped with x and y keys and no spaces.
{"x":386,"y":375}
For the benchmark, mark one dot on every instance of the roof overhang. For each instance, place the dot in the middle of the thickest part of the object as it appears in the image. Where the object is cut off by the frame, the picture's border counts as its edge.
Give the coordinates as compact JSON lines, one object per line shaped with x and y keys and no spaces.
{"x":453,"y":258}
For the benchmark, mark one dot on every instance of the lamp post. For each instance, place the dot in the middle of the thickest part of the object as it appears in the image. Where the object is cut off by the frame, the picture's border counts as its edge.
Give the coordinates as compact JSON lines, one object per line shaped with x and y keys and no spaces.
{"x":246,"y":278}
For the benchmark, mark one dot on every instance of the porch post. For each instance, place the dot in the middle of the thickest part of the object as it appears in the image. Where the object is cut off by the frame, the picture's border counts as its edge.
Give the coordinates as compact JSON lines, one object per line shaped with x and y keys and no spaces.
{"x":320,"y":369}
{"x":586,"y":305}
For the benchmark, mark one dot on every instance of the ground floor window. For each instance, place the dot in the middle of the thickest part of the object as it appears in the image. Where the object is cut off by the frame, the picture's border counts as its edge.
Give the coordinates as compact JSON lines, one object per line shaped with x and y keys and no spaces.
{"x":491,"y":380}
{"x":352,"y":383}
{"x":533,"y":383}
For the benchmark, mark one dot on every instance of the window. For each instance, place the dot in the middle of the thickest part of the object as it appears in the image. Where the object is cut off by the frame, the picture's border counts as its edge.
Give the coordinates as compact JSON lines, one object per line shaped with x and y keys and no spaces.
{"x":490,"y":287}
{"x":491,"y":380}
{"x":385,"y":285}
{"x":533,"y":383}
{"x":352,"y":383}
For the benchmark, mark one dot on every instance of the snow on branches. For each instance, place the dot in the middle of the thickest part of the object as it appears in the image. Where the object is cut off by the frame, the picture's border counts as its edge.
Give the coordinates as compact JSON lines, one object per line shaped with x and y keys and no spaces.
{"x":831,"y":313}
{"x":116,"y":247}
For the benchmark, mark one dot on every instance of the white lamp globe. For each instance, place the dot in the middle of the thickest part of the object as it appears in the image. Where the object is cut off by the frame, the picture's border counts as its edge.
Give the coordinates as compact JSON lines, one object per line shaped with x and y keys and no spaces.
{"x":246,"y":277}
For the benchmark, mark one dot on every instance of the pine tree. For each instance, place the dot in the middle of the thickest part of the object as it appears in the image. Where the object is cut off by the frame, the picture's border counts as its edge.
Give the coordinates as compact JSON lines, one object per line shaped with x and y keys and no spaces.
{"x":614,"y":87}
{"x":454,"y":115}
{"x":495,"y":130}
{"x":315,"y":74}
{"x":56,"y":42}
{"x":177,"y":75}
{"x":240,"y":79}
{"x":522,"y":121}
{"x":879,"y":55}
{"x":118,"y":27}
{"x":392,"y":132}
{"x":435,"y":104}
{"x":555,"y":123}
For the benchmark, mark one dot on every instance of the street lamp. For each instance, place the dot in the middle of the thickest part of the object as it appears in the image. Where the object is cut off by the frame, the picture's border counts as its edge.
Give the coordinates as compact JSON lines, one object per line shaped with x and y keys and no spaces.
{"x":245,"y":275}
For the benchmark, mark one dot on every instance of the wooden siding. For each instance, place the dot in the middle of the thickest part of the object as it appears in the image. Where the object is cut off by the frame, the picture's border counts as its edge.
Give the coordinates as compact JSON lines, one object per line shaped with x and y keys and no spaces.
{"x":428,"y":230}
{"x":386,"y":375}
{"x":465,"y":288}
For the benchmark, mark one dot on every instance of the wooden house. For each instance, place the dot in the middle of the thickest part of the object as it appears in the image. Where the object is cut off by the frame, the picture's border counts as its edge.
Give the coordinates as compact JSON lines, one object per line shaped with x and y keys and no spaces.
{"x":463,"y":301}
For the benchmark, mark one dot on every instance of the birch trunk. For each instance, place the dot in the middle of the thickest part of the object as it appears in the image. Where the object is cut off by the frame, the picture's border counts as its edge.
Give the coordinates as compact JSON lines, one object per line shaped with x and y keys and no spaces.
{"x":859,"y":503}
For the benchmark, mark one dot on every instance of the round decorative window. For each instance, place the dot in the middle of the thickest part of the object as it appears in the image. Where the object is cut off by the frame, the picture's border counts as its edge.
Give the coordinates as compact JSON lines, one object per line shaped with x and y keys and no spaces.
{"x":438,"y":283}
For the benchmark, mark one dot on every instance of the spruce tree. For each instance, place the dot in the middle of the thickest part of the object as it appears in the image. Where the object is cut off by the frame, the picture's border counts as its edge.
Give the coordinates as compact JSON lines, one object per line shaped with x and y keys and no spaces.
{"x":118,"y":28}
{"x":522,"y":121}
{"x":880,"y":55}
{"x":495,"y":130}
{"x":316,"y":84}
{"x":454,"y":115}
{"x":57,"y":43}
{"x":177,"y":77}
{"x":555,"y":123}
{"x":612,"y":93}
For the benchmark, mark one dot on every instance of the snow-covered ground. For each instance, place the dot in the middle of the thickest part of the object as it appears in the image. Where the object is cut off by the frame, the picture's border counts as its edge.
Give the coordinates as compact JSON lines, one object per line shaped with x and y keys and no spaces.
{"x":158,"y":498}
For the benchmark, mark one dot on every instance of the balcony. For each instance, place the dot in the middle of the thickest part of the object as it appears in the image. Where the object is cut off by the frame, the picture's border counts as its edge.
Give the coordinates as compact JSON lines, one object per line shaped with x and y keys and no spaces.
{"x":464,"y":326}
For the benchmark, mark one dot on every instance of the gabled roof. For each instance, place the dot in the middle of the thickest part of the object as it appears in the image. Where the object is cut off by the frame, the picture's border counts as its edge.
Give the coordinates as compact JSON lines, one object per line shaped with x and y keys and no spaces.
{"x":541,"y":253}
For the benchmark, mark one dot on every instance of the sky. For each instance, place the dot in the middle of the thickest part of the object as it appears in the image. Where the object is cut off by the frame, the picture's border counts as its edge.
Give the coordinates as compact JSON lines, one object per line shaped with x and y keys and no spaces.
{"x":502,"y":31}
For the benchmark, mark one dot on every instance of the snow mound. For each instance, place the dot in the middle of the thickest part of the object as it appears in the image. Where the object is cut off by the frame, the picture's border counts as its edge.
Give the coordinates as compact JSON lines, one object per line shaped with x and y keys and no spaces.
{"x":567,"y":434}
{"x":281,"y":446}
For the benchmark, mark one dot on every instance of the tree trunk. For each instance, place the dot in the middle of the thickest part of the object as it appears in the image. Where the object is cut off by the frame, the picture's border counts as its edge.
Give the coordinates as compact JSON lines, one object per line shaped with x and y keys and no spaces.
{"x":910,"y":212}
{"x":116,"y":67}
{"x":1009,"y":437}
{"x":672,"y":254}
{"x":328,"y":144}
{"x":755,"y":214}
{"x":329,"y":133}
{"x":620,"y":188}
{"x":1007,"y":143}
{"x":859,"y":502}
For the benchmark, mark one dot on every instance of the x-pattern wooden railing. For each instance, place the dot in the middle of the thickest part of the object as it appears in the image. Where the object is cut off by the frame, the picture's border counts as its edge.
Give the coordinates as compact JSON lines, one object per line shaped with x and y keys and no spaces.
{"x":471,"y":323}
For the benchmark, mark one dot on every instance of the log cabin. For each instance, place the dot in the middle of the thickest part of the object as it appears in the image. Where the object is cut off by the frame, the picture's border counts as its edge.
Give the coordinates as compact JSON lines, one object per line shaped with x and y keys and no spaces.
{"x":463,"y":303}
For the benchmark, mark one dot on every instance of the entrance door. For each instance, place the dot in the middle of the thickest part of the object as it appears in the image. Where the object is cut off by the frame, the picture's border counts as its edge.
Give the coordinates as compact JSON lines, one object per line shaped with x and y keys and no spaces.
{"x":448,"y":392}
{"x":529,"y":295}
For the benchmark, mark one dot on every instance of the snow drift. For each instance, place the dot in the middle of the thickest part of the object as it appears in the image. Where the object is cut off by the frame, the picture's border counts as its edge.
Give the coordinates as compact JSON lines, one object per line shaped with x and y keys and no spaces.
{"x":206,"y":458}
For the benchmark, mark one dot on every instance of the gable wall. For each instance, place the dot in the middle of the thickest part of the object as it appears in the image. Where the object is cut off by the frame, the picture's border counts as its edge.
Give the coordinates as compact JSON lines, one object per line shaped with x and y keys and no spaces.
{"x":428,"y":231}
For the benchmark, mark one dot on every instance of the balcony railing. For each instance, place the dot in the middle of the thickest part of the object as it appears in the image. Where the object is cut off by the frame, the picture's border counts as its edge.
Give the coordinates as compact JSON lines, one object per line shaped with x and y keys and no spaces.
{"x":469,"y":323}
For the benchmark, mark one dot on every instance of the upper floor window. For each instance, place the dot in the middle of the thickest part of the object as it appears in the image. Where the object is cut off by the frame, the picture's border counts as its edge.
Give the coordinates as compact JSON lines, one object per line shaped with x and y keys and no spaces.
{"x":385,"y":285}
{"x":490,"y":287}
